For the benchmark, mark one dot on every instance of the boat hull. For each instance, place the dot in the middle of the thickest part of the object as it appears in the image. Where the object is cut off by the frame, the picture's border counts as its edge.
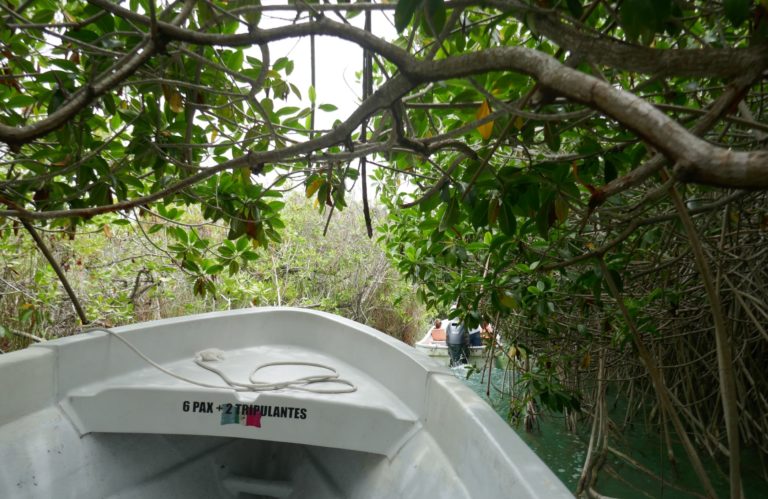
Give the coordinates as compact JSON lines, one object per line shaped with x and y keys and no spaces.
{"x":87,"y":417}
{"x":479,"y":356}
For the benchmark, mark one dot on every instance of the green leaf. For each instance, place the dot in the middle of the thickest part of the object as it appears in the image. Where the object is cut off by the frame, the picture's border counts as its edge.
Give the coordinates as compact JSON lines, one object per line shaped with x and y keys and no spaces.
{"x":404,"y":13}
{"x":312,"y":94}
{"x":450,"y":216}
{"x":507,"y":301}
{"x":480,"y":213}
{"x":476,"y":246}
{"x":281,"y":63}
{"x":236,"y":229}
{"x":57,"y":99}
{"x":616,"y":279}
{"x":737,"y":11}
{"x":26,"y":314}
{"x":20,"y":101}
{"x":641,"y":19}
{"x":545,"y":217}
{"x":434,"y":17}
{"x":109,"y":103}
{"x":234,"y":267}
{"x":181,"y":235}
{"x":507,"y":220}
{"x":249,"y":256}
{"x":251,"y":17}
{"x":65,"y":65}
{"x":285,"y":110}
{"x":574,"y":6}
{"x":430,"y":203}
{"x":241,"y":244}
{"x":214,"y":269}
{"x":191,"y":266}
{"x":43,"y":16}
{"x":84,"y":35}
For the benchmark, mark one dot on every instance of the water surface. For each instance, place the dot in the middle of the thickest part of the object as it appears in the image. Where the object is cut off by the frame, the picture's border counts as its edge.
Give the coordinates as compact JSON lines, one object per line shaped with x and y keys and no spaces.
{"x":564,"y":452}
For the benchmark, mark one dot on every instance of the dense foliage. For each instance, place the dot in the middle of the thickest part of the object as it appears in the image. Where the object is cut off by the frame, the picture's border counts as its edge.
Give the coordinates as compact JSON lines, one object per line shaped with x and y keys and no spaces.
{"x":126,"y":276}
{"x":588,"y":174}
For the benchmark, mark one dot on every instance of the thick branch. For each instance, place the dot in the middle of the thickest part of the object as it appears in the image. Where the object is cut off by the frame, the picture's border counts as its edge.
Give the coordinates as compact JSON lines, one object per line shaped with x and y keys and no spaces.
{"x":709,"y":62}
{"x":322,"y":27}
{"x":734,"y":93}
{"x":698,"y":161}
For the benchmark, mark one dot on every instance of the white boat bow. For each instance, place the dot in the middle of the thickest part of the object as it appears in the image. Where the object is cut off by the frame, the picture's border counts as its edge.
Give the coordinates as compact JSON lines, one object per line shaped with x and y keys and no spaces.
{"x":85,"y":416}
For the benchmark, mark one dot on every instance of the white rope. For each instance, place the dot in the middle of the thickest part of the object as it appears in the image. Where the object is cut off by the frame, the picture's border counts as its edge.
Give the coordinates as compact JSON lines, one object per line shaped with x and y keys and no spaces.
{"x":206,"y":357}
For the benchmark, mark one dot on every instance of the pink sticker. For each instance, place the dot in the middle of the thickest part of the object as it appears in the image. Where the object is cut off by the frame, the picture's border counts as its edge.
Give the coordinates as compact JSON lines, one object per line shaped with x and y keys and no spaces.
{"x":253,"y":419}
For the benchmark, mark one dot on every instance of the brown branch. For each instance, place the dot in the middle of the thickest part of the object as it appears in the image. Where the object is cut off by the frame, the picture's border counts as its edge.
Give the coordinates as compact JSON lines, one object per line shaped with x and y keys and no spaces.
{"x":601,"y":50}
{"x":57,"y":269}
{"x":437,"y":185}
{"x":698,"y":161}
{"x":52,"y":261}
{"x":598,"y":50}
{"x":728,"y":168}
{"x":26,"y":335}
{"x":734,"y":93}
{"x":508,"y":109}
{"x":321,"y":26}
{"x":728,"y":393}
{"x":662,"y":391}
{"x":367,"y":91}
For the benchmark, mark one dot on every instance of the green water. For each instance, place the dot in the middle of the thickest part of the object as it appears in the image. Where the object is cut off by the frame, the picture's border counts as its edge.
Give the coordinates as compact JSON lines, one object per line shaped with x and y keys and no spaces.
{"x":564,"y":452}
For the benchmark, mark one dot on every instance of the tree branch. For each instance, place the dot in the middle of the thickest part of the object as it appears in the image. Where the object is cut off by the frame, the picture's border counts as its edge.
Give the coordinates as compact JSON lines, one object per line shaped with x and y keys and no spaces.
{"x":662,"y":391}
{"x":728,"y":394}
{"x":734,"y":93}
{"x":601,"y":50}
{"x":57,"y":269}
{"x":698,"y":161}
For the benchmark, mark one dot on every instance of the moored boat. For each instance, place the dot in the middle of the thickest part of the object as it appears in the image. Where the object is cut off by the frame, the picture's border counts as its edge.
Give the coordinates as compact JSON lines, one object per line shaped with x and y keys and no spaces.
{"x":251,"y":403}
{"x":438,"y":350}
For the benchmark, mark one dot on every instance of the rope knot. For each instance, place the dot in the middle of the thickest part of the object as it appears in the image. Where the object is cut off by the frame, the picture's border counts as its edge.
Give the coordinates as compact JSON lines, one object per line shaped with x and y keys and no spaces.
{"x":210,"y":355}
